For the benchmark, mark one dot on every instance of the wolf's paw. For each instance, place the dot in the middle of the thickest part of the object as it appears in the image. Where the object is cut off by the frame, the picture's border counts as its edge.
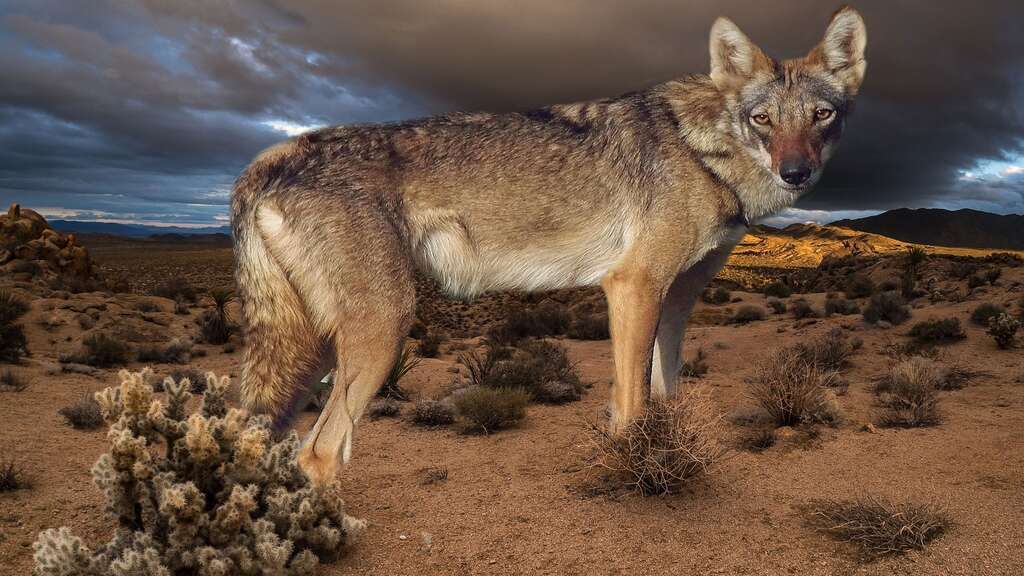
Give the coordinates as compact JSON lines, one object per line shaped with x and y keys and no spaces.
{"x":321,"y":471}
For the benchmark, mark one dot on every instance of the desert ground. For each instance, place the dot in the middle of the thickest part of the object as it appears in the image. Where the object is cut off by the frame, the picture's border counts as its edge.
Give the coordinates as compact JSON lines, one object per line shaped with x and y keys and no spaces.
{"x":529,"y":499}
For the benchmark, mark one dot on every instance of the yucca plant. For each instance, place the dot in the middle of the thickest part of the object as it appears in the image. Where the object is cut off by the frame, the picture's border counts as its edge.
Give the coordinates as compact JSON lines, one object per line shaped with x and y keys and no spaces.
{"x":217,"y":326}
{"x":392,"y":387}
{"x":13,"y":344}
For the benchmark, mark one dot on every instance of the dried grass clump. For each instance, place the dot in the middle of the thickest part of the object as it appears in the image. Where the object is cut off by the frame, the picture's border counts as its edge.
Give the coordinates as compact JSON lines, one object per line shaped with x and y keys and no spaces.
{"x":880,"y":527}
{"x":937,"y":331}
{"x":433,"y":413}
{"x":793,"y":389}
{"x":541,"y":368}
{"x":832,"y":352}
{"x":909,"y":394}
{"x":589,"y":327}
{"x":174,"y":352}
{"x":83,"y":415}
{"x":672,"y":442}
{"x":11,"y":381}
{"x":384,"y":408}
{"x":800,"y":308}
{"x":719,"y":295}
{"x":12,"y":475}
{"x":100,"y":350}
{"x":748,"y":313}
{"x":887,"y":306}
{"x":488,"y":410}
{"x":205,"y":493}
{"x":841,"y":306}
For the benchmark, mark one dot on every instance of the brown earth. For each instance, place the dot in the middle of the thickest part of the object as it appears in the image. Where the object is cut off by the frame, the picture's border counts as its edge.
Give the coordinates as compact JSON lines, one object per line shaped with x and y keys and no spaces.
{"x":526,"y":501}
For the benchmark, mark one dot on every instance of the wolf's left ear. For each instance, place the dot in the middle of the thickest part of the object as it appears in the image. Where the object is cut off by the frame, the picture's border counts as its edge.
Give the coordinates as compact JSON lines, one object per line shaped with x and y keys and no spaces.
{"x":734,"y":58}
{"x":842,"y":49}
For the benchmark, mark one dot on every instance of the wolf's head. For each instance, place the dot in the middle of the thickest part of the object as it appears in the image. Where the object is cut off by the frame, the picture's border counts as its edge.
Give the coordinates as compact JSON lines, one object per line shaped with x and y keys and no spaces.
{"x":790,"y":114}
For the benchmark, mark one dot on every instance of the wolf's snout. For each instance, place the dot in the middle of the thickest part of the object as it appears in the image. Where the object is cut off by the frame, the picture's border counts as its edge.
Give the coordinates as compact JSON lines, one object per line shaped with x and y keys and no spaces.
{"x":795,"y":171}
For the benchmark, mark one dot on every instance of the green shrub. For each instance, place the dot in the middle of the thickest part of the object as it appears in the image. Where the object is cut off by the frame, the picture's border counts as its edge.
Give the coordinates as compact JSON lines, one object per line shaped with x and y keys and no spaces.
{"x":533,"y":367}
{"x":887,"y":306}
{"x":1003,"y":329}
{"x":985,"y":312}
{"x":719,"y":295}
{"x":432,"y":413}
{"x":490,"y":409}
{"x":880,"y":527}
{"x":83,"y":415}
{"x":841,"y":306}
{"x":748,"y":313}
{"x":937,"y":331}
{"x":220,"y":496}
{"x":778,"y":289}
{"x":100,"y":350}
{"x":589,"y":327}
{"x":858,"y":286}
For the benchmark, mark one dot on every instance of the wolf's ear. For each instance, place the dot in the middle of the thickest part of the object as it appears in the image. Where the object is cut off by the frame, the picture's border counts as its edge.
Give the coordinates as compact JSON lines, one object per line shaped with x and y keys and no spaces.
{"x":734,"y":58}
{"x":842,"y":49}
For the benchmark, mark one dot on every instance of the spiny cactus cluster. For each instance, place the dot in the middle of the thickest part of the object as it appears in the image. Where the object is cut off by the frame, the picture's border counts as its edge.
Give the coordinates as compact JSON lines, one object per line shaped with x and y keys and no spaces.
{"x":207,"y":493}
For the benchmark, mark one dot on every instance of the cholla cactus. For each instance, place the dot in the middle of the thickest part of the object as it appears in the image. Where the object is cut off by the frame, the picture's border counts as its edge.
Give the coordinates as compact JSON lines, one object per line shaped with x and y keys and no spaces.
{"x":1003,"y":328}
{"x":207,"y":493}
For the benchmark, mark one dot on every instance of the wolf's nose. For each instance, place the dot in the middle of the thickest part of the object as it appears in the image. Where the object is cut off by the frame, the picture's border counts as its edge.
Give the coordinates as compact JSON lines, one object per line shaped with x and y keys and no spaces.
{"x":795,"y":172}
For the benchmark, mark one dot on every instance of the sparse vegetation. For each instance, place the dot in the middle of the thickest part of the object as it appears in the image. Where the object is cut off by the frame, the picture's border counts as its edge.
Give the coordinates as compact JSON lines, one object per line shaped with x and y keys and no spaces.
{"x":13,"y":344}
{"x":549,"y":318}
{"x":174,"y":352}
{"x":384,"y":408}
{"x":748,"y":313}
{"x":778,"y":289}
{"x":831,"y":352}
{"x":13,"y":475}
{"x":539,"y":367}
{"x":430,"y":344}
{"x":491,"y":409}
{"x":801,"y":309}
{"x":697,"y":366}
{"x":176,"y":288}
{"x":886,"y":306}
{"x":84,"y":414}
{"x":216,"y":326}
{"x":672,"y":442}
{"x":219,"y":497}
{"x":100,"y":350}
{"x":147,"y":306}
{"x":985,"y":312}
{"x":791,"y":389}
{"x":11,"y":381}
{"x":909,"y":396}
{"x":433,"y":413}
{"x":842,"y":306}
{"x":777,"y":306}
{"x":589,"y":327}
{"x":937,"y":331}
{"x":859,"y":286}
{"x":392,"y":387}
{"x":1003,"y":330}
{"x":880,"y":527}
{"x":717,"y":296}
{"x":760,"y":439}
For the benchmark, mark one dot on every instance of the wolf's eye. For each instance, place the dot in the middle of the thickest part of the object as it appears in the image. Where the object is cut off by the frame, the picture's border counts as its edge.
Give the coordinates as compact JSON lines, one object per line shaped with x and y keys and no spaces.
{"x":761,"y":119}
{"x":823,"y":114}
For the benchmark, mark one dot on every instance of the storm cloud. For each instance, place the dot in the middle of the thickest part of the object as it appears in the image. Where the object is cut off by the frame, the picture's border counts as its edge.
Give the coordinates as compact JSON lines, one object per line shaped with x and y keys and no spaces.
{"x":146,"y":110}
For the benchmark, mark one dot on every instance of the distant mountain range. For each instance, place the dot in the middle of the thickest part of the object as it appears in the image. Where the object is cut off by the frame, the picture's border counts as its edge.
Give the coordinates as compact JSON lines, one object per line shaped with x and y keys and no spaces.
{"x":959,"y":228}
{"x":132,"y":230}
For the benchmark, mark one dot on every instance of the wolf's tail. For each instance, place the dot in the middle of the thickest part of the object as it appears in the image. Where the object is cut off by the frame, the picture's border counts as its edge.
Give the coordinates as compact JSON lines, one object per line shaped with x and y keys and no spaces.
{"x":283,"y":354}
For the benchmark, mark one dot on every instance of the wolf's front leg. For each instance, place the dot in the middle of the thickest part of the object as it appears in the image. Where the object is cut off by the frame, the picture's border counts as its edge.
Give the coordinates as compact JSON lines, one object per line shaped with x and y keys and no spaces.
{"x":634,"y":305}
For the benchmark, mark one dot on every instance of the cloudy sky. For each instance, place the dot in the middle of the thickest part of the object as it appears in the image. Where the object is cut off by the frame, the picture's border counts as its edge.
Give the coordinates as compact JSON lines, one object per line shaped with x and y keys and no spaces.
{"x":146,"y":110}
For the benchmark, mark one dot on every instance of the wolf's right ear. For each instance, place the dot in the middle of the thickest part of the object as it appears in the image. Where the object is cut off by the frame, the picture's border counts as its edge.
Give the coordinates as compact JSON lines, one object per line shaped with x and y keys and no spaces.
{"x":734,"y":58}
{"x":842,"y":49}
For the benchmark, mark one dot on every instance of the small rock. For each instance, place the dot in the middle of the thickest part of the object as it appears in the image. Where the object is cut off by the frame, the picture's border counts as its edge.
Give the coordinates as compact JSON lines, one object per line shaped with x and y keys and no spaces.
{"x":869,"y":428}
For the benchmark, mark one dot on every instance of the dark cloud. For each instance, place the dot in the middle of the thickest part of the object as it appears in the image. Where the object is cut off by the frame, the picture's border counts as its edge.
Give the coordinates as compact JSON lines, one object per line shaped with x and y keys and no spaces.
{"x":150,"y":107}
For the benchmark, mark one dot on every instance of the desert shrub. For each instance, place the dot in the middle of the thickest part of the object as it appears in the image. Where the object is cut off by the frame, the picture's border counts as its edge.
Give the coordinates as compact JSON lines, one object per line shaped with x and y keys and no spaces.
{"x":549,"y":318}
{"x":937,"y":331}
{"x":976,"y":281}
{"x":986,"y":311}
{"x":83,"y":415}
{"x":962,"y":269}
{"x":430,"y":344}
{"x":479,"y":364}
{"x":747,"y":314}
{"x":880,"y":527}
{"x":181,"y":306}
{"x":384,"y":408}
{"x":589,"y":327}
{"x":196,"y":379}
{"x":11,"y":381}
{"x":533,"y":367}
{"x":831,"y":352}
{"x":433,"y":413}
{"x":417,"y":330}
{"x":13,"y":344}
{"x":887,"y":306}
{"x":801,"y":308}
{"x":174,"y":352}
{"x":392,"y":387}
{"x":100,"y":350}
{"x":490,"y":409}
{"x":670,"y":443}
{"x":858,"y":286}
{"x":777,"y":306}
{"x":791,"y":389}
{"x":719,"y":295}
{"x":147,"y":306}
{"x":958,"y":376}
{"x":910,"y":396}
{"x":697,"y":366}
{"x":992,"y":275}
{"x":220,"y":496}
{"x":216,"y":326}
{"x":176,"y":288}
{"x":778,"y":289}
{"x":841,"y":306}
{"x":760,"y":439}
{"x":13,"y":475}
{"x":1003,"y":329}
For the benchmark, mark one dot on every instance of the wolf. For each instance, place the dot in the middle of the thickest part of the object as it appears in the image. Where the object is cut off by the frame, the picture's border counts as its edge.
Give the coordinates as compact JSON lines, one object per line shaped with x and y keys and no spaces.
{"x":645,"y":194}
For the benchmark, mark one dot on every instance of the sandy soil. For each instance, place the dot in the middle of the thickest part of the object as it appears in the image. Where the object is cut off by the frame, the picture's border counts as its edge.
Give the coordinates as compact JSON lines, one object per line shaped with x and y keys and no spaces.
{"x":525,"y":500}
